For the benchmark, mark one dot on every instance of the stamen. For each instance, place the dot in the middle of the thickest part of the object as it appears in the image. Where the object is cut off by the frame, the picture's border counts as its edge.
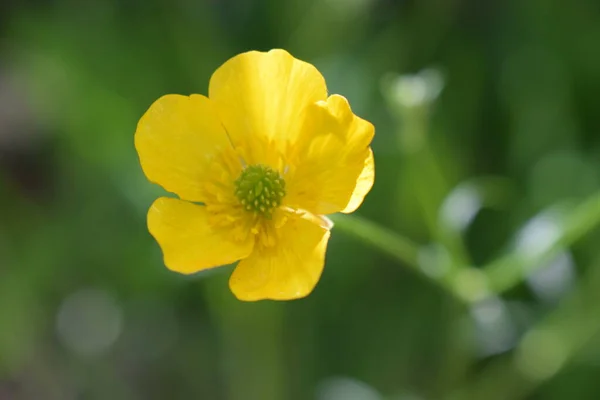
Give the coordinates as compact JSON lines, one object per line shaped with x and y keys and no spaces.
{"x":260,"y":189}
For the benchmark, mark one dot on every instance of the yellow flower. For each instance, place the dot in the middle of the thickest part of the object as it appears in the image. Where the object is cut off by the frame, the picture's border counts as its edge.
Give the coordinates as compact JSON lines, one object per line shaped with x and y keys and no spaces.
{"x":256,"y":165}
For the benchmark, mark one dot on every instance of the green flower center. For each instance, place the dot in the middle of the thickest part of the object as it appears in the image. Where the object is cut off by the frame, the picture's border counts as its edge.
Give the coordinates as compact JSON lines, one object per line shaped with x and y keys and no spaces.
{"x":260,"y":189}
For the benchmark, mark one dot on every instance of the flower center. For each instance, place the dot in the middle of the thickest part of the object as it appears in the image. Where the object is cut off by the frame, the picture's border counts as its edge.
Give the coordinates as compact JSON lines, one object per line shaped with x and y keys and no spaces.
{"x":260,"y":189}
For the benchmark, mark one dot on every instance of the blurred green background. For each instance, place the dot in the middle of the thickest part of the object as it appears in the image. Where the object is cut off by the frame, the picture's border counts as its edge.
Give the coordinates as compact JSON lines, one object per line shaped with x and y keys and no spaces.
{"x":472,"y":270}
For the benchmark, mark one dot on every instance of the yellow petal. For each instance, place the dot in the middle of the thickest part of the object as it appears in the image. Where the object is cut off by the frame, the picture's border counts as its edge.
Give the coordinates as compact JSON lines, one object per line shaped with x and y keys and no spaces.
{"x":261,"y":99}
{"x":332,"y":167}
{"x":177,"y":139}
{"x":288,"y":270}
{"x":363,"y":184}
{"x":188,"y":242}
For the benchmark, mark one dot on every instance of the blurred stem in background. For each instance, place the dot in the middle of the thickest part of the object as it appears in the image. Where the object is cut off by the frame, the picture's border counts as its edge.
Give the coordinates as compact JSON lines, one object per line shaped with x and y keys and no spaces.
{"x":250,"y":334}
{"x":411,"y":99}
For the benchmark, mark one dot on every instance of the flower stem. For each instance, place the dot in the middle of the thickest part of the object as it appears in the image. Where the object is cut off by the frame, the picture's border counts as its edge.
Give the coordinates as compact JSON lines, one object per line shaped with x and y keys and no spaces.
{"x":502,"y":274}
{"x":385,"y":240}
{"x":250,"y":334}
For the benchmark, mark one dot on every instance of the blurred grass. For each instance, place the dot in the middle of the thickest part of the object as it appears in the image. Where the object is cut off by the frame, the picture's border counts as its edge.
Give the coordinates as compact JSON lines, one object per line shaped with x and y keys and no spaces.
{"x":488,"y":188}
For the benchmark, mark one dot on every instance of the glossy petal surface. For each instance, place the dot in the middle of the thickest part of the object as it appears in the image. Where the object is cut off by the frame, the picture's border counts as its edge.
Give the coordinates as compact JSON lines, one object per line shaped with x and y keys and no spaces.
{"x":262,"y":100}
{"x":332,"y":166}
{"x":188,"y":242}
{"x":288,"y":270}
{"x":177,"y":139}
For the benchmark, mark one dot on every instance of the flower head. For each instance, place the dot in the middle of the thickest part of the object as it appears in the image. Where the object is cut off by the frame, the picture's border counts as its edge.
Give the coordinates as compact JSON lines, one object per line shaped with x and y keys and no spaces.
{"x":256,"y":166}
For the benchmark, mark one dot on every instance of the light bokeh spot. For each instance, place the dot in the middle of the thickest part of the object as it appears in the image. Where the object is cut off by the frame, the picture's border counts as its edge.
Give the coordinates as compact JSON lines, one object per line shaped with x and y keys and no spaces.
{"x":89,"y":322}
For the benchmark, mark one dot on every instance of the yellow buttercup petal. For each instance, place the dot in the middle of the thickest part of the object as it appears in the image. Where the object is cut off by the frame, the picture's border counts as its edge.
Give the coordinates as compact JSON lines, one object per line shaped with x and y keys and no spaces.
{"x":364,"y":184}
{"x":288,"y":270}
{"x":261,"y":99}
{"x":332,"y":167}
{"x":188,"y":242}
{"x":177,"y":140}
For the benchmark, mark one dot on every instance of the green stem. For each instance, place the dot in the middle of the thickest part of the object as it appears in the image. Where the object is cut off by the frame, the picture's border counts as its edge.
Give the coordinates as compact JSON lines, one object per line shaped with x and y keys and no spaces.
{"x":388,"y":242}
{"x":250,"y":334}
{"x":385,"y":240}
{"x":503,"y":273}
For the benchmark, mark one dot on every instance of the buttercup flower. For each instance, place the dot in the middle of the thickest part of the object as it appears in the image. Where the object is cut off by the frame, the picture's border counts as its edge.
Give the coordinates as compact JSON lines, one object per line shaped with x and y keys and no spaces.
{"x":256,"y":166}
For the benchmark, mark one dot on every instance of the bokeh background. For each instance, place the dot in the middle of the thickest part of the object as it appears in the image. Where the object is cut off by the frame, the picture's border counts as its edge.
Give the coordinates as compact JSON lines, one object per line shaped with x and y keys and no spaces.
{"x":472,"y":270}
